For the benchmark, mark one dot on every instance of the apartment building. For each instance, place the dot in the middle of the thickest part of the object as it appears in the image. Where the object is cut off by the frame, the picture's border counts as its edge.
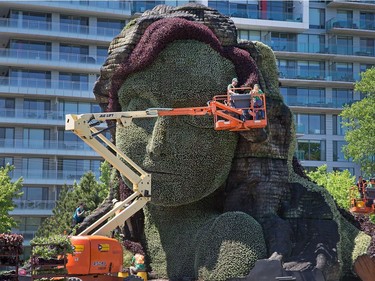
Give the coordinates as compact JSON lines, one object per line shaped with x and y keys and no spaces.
{"x":51,"y":53}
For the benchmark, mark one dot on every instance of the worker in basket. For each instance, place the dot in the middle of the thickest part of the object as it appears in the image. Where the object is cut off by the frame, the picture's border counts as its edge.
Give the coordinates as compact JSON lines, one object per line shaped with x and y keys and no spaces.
{"x":257,"y":102}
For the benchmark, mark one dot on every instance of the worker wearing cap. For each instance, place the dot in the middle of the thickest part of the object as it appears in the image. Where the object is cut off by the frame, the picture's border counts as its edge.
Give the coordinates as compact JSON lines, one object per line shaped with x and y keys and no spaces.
{"x":231,"y":86}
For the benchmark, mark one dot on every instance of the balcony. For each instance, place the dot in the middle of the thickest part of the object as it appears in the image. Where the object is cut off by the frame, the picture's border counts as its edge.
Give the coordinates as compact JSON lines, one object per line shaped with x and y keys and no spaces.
{"x":45,"y":145}
{"x":352,"y":4}
{"x":32,"y":114}
{"x":34,"y":204}
{"x":333,"y":75}
{"x":34,"y":28}
{"x":293,"y":49}
{"x":361,"y":27}
{"x":50,"y":56}
{"x":119,"y":8}
{"x":293,"y":73}
{"x":337,"y":103}
{"x":46,"y":87}
{"x":32,"y":175}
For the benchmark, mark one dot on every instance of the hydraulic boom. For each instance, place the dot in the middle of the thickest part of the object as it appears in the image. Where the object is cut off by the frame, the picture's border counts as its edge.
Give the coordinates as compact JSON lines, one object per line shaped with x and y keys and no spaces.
{"x":233,"y":113}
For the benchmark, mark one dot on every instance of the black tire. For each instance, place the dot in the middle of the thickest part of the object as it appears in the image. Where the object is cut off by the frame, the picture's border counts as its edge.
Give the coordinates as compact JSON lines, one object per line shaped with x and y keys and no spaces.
{"x":133,"y":278}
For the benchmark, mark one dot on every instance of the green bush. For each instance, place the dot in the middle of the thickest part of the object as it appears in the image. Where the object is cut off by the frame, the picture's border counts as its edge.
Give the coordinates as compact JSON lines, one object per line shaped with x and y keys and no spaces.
{"x":228,"y":247}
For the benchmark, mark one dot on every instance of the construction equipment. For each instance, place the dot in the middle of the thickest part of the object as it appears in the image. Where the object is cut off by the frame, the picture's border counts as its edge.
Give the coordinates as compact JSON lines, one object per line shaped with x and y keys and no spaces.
{"x":99,"y":257}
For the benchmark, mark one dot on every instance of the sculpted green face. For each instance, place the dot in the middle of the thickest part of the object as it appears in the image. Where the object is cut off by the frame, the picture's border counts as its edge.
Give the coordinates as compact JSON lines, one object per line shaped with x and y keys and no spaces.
{"x":187,"y":158}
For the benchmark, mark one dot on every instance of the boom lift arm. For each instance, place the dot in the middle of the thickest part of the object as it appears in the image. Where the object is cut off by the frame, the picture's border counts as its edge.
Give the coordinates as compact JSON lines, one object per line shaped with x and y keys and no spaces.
{"x":84,"y":127}
{"x":225,"y":118}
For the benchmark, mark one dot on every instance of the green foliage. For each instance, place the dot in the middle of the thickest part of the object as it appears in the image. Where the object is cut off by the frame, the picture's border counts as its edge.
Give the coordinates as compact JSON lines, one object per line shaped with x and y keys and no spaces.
{"x":127,"y":258}
{"x":8,"y":191}
{"x":186,"y":73}
{"x":51,"y":247}
{"x":105,"y":179}
{"x":88,"y":191}
{"x":337,"y":183}
{"x":367,"y":83}
{"x":228,"y":247}
{"x":359,"y":118}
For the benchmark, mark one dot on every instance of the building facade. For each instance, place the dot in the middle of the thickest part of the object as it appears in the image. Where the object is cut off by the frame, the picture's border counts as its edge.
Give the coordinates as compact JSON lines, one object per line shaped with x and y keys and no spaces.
{"x":51,"y":53}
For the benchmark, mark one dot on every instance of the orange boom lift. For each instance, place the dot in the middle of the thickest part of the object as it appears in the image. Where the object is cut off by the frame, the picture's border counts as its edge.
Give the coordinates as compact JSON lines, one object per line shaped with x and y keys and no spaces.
{"x":99,"y":258}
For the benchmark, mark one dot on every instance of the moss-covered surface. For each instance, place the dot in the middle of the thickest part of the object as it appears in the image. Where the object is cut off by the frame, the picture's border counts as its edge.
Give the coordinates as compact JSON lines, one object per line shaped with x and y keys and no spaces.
{"x":228,"y":247}
{"x":178,"y":59}
{"x":179,"y":150}
{"x":353,"y":242}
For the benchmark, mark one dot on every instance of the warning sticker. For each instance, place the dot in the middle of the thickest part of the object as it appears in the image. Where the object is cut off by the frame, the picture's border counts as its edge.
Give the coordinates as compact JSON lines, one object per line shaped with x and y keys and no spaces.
{"x":103,"y":247}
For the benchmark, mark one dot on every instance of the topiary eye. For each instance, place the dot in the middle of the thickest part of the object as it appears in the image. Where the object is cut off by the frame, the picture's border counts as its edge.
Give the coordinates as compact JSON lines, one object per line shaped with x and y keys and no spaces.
{"x":202,"y":122}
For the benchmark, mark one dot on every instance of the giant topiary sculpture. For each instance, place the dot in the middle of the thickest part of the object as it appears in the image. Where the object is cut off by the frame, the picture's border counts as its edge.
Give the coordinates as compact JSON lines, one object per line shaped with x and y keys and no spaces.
{"x":221,"y":200}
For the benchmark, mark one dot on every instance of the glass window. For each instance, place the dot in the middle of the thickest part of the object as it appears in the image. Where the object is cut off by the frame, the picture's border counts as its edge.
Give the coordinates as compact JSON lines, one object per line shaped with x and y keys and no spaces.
{"x":311,"y":43}
{"x":366,"y":47}
{"x":344,"y":45}
{"x":364,"y":67}
{"x":221,"y":6}
{"x":367,"y":20}
{"x":142,"y":6}
{"x":35,"y":167}
{"x":36,"y":108}
{"x":36,"y":138}
{"x":313,"y":150}
{"x":317,"y":18}
{"x":250,"y":35}
{"x":74,"y":24}
{"x":345,"y":18}
{"x":338,"y":154}
{"x":108,"y":27}
{"x":34,"y":20}
{"x":340,"y":97}
{"x":35,"y":193}
{"x":6,"y":137}
{"x":74,"y":53}
{"x":101,"y":54}
{"x":6,"y":160}
{"x":281,"y":41}
{"x":30,"y":49}
{"x":74,"y":169}
{"x":74,"y":107}
{"x":342,"y":71}
{"x":311,"y":97}
{"x":310,"y":123}
{"x":30,"y":78}
{"x":7,"y":107}
{"x":338,"y":129}
{"x":29,"y":224}
{"x":73,"y":81}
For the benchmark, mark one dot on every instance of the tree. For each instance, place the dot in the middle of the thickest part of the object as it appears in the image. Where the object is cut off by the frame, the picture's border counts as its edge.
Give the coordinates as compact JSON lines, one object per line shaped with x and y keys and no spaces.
{"x":359,"y":118}
{"x":337,"y":183}
{"x":8,"y":191}
{"x":88,"y":191}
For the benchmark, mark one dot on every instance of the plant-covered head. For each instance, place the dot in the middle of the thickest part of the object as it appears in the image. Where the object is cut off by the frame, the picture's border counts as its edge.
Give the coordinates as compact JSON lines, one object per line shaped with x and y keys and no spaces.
{"x":178,"y":63}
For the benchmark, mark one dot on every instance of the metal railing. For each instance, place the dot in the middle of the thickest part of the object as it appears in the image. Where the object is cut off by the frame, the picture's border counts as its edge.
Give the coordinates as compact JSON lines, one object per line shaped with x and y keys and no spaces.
{"x":50,"y":56}
{"x":35,"y":25}
{"x":35,"y":204}
{"x":52,"y":145}
{"x":350,"y":24}
{"x":21,"y":82}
